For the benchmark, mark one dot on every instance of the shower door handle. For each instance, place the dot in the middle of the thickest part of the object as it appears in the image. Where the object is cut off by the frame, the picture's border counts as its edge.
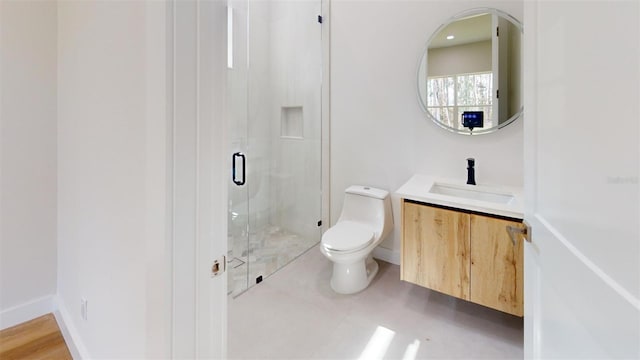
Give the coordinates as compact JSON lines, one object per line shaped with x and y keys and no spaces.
{"x":234,"y":168}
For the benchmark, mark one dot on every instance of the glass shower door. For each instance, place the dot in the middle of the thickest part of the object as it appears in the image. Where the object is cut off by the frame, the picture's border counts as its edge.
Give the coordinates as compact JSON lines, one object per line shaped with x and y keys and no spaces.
{"x":275,"y":215}
{"x":238,"y":203}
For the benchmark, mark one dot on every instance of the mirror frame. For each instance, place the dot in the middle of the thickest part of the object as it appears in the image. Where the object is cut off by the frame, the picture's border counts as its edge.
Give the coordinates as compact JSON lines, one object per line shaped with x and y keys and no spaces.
{"x":460,"y":16}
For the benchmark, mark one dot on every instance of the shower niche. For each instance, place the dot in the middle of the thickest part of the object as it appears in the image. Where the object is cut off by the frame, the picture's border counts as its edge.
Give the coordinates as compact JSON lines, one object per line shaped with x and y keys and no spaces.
{"x":292,"y":123}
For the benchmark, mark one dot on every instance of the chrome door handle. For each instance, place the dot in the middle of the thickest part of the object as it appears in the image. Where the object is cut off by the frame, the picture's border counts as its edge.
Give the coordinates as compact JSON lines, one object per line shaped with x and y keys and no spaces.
{"x":233,"y":169}
{"x":515,"y":232}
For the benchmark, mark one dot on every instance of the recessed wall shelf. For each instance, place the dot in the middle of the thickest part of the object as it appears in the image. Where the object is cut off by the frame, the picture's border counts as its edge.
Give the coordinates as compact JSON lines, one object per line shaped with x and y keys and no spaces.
{"x":292,"y":122}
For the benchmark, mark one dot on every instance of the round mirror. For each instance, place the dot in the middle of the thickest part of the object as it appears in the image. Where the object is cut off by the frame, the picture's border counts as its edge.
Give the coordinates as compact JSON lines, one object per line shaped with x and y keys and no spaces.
{"x":470,"y":76}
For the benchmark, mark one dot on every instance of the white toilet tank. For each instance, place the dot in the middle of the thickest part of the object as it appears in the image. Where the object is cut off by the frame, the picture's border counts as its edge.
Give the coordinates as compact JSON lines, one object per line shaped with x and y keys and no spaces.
{"x":369,"y":206}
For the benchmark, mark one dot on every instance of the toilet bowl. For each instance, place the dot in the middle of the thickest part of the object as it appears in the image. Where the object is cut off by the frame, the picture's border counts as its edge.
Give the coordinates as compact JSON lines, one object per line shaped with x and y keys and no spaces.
{"x":365,"y":221}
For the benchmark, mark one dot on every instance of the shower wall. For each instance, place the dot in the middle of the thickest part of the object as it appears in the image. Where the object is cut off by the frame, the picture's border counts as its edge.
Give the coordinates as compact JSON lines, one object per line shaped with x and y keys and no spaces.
{"x":284,"y":135}
{"x":296,"y":115}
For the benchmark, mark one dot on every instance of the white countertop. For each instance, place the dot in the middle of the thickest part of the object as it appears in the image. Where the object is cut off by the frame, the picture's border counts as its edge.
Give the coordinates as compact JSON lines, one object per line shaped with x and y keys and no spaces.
{"x":418,"y":189}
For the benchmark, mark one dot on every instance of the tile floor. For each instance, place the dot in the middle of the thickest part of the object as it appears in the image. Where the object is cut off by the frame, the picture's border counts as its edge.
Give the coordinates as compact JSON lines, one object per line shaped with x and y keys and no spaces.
{"x":294,"y":314}
{"x":266,"y":251}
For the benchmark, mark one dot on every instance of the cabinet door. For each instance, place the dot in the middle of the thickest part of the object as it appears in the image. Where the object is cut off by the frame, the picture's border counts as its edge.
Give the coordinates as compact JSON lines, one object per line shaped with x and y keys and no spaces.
{"x":435,"y":249}
{"x":496,"y":265}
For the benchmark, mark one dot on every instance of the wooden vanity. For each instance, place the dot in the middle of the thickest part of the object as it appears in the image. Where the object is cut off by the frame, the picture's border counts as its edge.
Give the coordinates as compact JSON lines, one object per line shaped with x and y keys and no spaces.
{"x":463,"y":253}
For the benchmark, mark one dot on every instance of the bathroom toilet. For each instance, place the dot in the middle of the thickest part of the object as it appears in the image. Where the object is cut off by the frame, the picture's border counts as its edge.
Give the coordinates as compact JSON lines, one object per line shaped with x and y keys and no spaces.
{"x":365,"y":221}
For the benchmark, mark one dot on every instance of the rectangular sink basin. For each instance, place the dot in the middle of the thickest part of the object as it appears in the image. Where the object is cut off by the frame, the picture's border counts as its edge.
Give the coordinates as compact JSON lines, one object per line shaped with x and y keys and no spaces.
{"x":471,"y":192}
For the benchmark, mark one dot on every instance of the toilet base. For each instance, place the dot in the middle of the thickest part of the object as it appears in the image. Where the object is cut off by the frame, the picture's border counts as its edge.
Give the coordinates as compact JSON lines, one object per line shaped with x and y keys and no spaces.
{"x":354,"y":277}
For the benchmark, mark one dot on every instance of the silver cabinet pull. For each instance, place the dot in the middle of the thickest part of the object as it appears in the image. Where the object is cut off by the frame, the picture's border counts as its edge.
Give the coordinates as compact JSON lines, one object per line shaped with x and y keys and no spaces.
{"x":515,"y":232}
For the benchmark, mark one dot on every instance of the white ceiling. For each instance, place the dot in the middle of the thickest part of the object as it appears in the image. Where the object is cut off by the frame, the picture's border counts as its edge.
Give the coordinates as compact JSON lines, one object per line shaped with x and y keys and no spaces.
{"x":468,"y":30}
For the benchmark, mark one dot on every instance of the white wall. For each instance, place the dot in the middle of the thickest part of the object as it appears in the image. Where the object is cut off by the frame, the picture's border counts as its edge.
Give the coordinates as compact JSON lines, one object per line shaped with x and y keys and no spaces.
{"x":379,"y":135}
{"x":461,"y":59}
{"x":28,"y":158}
{"x":283,"y":70}
{"x":112,"y":174}
{"x":296,"y":79}
{"x":515,"y":71}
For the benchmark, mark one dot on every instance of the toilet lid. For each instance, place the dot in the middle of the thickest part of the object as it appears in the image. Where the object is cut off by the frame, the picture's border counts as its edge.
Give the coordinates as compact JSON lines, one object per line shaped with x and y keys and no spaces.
{"x":347,"y":235}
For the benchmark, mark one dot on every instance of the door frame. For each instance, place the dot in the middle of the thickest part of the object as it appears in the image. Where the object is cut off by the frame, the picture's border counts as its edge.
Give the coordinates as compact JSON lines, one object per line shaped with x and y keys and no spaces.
{"x":531,"y":278}
{"x":197,"y":226}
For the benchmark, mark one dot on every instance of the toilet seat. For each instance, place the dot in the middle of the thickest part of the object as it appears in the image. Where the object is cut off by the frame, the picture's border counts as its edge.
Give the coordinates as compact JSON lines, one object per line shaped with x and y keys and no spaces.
{"x":347,"y":236}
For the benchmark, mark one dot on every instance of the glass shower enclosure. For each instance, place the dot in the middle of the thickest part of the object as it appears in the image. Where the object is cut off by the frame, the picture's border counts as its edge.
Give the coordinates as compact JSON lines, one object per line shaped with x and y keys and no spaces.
{"x":274,"y":111}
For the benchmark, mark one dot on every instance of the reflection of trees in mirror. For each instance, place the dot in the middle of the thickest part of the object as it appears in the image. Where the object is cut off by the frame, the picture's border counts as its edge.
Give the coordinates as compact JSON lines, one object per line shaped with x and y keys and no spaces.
{"x":451,"y":95}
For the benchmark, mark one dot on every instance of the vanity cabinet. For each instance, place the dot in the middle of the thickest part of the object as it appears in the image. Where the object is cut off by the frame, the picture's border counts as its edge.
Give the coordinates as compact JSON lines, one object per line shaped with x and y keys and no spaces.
{"x":463,"y":254}
{"x":435,"y":249}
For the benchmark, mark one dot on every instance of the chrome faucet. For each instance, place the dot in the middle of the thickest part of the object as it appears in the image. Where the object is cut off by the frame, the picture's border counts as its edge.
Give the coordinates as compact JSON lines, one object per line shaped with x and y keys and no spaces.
{"x":471,"y":172}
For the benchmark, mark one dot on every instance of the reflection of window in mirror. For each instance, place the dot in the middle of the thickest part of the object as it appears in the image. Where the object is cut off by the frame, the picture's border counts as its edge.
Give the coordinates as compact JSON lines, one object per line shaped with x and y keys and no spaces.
{"x":450,"y":95}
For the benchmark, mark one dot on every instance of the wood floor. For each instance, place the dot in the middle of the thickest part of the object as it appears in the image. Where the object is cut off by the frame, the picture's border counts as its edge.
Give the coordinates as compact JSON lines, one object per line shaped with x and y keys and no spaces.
{"x":39,"y":338}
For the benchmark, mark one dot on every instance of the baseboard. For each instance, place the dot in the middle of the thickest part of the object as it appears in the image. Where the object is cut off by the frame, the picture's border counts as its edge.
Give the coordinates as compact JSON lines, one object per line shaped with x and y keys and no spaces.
{"x":69,"y":332}
{"x":42,"y":306}
{"x":27,"y":311}
{"x":387,"y":255}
